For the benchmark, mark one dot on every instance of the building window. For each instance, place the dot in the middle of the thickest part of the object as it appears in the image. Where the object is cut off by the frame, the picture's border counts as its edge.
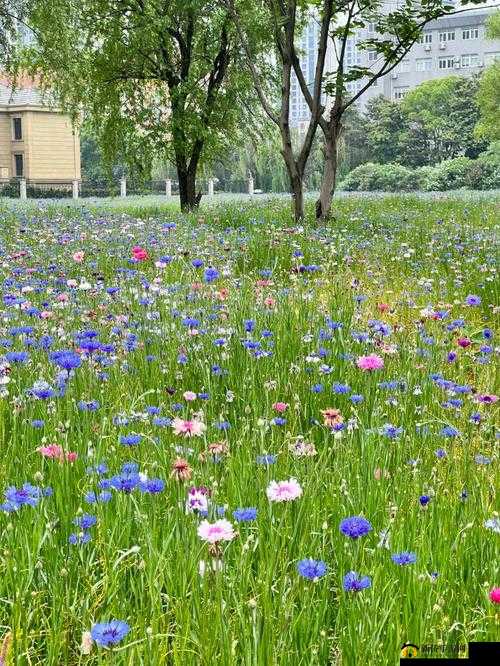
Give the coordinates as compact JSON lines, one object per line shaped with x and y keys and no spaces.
{"x":423,"y":64}
{"x":404,"y":66}
{"x":469,"y":60}
{"x":425,"y":38}
{"x":447,"y":62}
{"x":399,"y":93}
{"x":372,"y":27}
{"x":470,"y":33}
{"x":19,"y":164}
{"x":17,"y":129}
{"x":448,"y":36}
{"x":490,"y":58}
{"x":372,"y":55}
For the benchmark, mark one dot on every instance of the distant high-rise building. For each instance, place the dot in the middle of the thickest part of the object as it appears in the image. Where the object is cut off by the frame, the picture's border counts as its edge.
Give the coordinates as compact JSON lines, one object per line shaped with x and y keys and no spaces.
{"x":449,"y":45}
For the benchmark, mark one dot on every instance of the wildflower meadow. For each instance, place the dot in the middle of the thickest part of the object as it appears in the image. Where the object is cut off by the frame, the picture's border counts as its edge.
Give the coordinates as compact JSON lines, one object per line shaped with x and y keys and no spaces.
{"x":228,"y":439}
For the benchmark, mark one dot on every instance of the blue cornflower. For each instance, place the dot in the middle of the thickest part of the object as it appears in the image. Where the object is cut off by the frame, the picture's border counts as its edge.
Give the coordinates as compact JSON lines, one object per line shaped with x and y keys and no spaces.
{"x":42,"y":390}
{"x":440,"y":453}
{"x":353,"y":582}
{"x":404,"y":558}
{"x":450,"y":431}
{"x":391,"y":431}
{"x":79,"y":539}
{"x":317,"y":388}
{"x":17,"y":357}
{"x":67,"y":360}
{"x":85,"y":522}
{"x":130,"y":440}
{"x":356,"y":399}
{"x":88,"y":406}
{"x":311,"y":569}
{"x":152,"y":486}
{"x":424,"y":500}
{"x":197,"y":263}
{"x":482,"y":460}
{"x":37,"y":423}
{"x":109,"y":633}
{"x":472,"y":299}
{"x":355,"y":526}
{"x":211,"y":274}
{"x":340,"y":388}
{"x":245,"y":515}
{"x":267,"y":459}
{"x":278,"y":420}
{"x":26,"y":495}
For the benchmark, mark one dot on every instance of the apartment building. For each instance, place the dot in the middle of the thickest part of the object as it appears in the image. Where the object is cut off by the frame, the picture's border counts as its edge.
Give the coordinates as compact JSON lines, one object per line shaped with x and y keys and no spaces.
{"x":449,"y":45}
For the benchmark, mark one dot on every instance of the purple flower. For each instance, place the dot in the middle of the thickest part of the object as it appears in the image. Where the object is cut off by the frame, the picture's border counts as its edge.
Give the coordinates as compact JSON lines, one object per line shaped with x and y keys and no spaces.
{"x":404,"y":558}
{"x":353,"y":582}
{"x":355,"y":527}
{"x":311,"y":569}
{"x":109,"y":633}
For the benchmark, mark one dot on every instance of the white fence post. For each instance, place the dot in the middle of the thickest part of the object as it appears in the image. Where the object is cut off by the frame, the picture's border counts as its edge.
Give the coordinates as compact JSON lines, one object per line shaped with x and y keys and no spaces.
{"x":75,"y":189}
{"x":22,"y":189}
{"x":250,"y":184}
{"x":123,"y":187}
{"x":168,"y":187}
{"x":210,"y":187}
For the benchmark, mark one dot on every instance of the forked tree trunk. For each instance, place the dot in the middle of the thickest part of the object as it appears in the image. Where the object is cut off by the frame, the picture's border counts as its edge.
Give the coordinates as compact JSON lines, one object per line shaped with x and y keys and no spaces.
{"x":324,"y":203}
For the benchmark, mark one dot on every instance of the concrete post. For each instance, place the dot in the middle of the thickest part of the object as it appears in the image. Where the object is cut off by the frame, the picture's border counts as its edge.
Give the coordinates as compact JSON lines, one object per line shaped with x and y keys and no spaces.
{"x":75,"y":189}
{"x":210,"y":187}
{"x":250,"y":184}
{"x":168,"y":187}
{"x":22,"y":189}
{"x":123,"y":187}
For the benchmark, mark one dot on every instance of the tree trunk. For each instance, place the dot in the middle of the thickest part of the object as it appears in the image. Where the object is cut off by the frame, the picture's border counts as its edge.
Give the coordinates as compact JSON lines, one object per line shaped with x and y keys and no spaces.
{"x":324,"y":203}
{"x":187,"y":189}
{"x":297,"y":187}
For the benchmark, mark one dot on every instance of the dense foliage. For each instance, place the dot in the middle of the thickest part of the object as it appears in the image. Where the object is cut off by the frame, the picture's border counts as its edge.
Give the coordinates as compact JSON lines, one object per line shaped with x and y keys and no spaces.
{"x":459,"y":172}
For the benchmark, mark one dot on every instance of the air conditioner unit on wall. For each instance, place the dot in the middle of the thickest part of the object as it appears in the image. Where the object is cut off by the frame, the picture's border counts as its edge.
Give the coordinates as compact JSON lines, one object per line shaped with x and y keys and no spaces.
{"x":442,"y":46}
{"x":394,"y":75}
{"x":427,"y":47}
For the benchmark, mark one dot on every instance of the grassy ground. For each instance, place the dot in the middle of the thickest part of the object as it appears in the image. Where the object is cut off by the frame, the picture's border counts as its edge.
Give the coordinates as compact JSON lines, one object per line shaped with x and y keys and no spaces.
{"x":284,"y":318}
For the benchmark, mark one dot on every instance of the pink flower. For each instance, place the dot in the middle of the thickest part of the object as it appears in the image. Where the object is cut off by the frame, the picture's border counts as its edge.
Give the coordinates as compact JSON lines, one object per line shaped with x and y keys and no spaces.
{"x":189,"y":427}
{"x":283,"y":491}
{"x":370,"y":362}
{"x":221,"y":530}
{"x":280,"y":407}
{"x":495,"y":595}
{"x":139,"y":253}
{"x":487,"y":398}
{"x":56,"y":452}
{"x":79,"y":256}
{"x":189,"y":396}
{"x":269,"y":302}
{"x":51,"y":451}
{"x":464,"y":342}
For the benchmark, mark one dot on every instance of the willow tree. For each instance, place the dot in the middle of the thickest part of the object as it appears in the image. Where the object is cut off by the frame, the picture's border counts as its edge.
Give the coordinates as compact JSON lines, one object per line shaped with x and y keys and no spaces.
{"x":155,"y":78}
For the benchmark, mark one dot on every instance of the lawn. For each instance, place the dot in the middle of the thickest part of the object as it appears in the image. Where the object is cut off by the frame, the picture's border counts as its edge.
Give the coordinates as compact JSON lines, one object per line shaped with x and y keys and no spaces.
{"x":247,"y":442}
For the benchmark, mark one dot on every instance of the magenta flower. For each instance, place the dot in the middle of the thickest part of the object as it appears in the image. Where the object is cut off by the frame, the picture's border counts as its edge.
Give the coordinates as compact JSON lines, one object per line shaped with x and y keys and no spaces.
{"x":370,"y":362}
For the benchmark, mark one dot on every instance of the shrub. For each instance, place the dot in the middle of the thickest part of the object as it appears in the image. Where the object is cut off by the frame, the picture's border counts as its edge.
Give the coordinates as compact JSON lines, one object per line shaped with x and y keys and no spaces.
{"x":372,"y":177}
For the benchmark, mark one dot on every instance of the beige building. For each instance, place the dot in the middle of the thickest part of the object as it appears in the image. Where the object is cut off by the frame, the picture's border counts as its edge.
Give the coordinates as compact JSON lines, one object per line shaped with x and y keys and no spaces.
{"x":37,"y":143}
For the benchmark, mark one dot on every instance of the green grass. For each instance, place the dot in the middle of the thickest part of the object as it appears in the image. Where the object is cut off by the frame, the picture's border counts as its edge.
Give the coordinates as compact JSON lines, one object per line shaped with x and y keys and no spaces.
{"x":417,"y":254}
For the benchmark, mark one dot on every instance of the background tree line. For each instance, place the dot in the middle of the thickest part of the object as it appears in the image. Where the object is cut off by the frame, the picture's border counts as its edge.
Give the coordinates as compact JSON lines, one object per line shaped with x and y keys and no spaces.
{"x":203,"y":85}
